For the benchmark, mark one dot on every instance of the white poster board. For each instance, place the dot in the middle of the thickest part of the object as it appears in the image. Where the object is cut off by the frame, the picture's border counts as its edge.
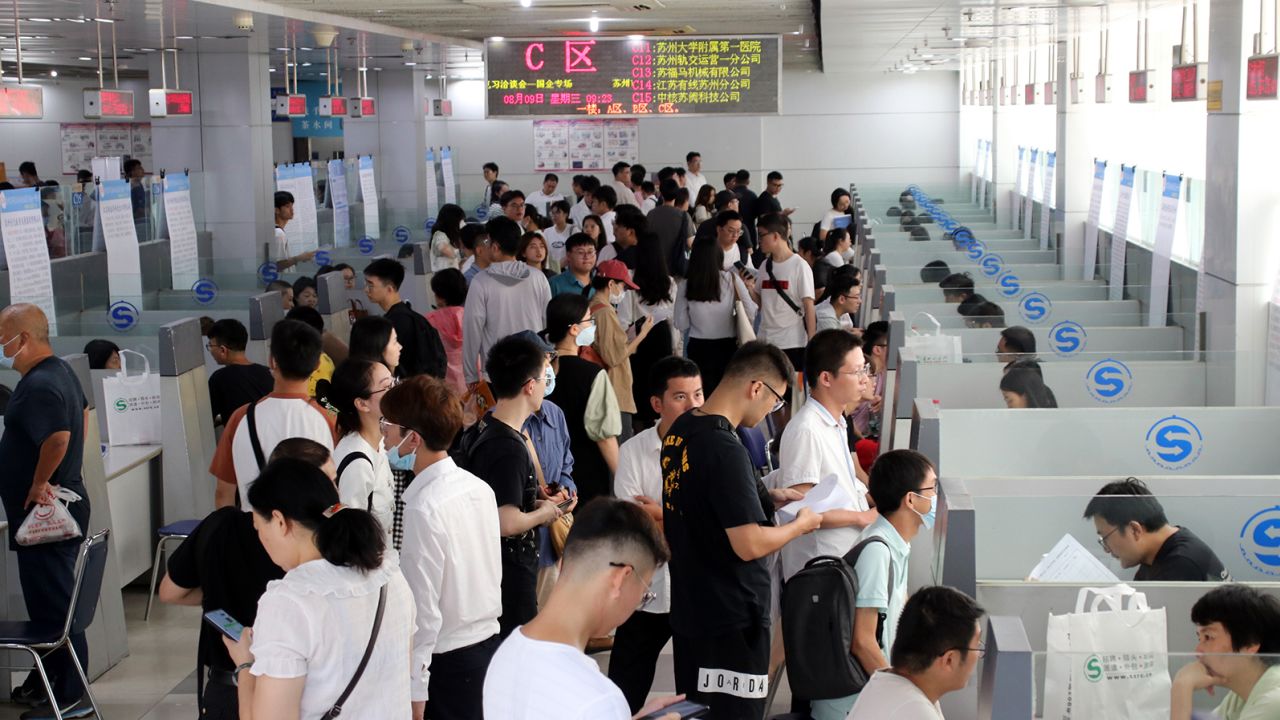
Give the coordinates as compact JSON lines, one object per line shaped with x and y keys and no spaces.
{"x":341,"y":204}
{"x":27,"y":253}
{"x":115,"y":139}
{"x":1027,"y":205}
{"x":1047,"y":200}
{"x":295,"y":178}
{"x":1120,"y":233}
{"x":79,"y":146}
{"x":142,"y":142}
{"x":550,"y":145}
{"x":1091,"y":223}
{"x":1158,"y":300}
{"x":369,"y":197}
{"x":115,"y":218}
{"x":433,"y":191}
{"x":184,"y":257}
{"x":446,"y":169}
{"x":107,"y":168}
{"x":1017,"y":188}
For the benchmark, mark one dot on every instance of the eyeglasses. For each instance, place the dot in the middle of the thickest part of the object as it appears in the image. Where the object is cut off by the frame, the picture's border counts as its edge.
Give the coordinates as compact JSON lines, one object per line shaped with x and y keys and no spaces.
{"x":1102,"y":540}
{"x":649,"y":595}
{"x":210,"y":346}
{"x":385,"y":424}
{"x":864,"y":371}
{"x":588,"y":321}
{"x":781,"y":400}
{"x":394,"y":382}
{"x":981,"y":649}
{"x":584,"y":253}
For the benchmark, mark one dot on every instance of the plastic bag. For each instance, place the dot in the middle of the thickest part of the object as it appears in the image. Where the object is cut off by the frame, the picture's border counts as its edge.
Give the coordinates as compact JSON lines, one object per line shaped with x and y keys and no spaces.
{"x":935,"y":347}
{"x":50,"y":523}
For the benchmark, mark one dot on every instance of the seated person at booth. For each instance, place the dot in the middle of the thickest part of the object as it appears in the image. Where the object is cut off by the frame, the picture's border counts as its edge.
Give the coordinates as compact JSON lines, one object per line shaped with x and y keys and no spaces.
{"x":103,"y":355}
{"x":983,"y":314}
{"x":1133,"y":528}
{"x":841,"y":299}
{"x":1015,"y":342}
{"x":1238,"y":641}
{"x":1023,"y":387}
{"x":938,"y":646}
{"x":285,"y":289}
{"x":956,"y":287}
{"x":934,"y":272}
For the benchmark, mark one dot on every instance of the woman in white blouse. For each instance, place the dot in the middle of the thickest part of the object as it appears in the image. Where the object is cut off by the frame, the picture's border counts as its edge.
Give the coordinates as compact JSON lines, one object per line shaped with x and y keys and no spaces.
{"x":314,"y":625}
{"x":364,"y":473}
{"x":705,"y":308}
{"x":446,"y":237}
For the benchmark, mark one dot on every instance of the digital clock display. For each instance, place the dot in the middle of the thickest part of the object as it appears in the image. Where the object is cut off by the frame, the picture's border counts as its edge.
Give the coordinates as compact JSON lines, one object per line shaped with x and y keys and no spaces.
{"x":22,"y":102}
{"x":1138,"y":86}
{"x":632,"y":77}
{"x":1261,"y":78}
{"x":178,"y":102}
{"x":1185,"y":82}
{"x":116,"y":103}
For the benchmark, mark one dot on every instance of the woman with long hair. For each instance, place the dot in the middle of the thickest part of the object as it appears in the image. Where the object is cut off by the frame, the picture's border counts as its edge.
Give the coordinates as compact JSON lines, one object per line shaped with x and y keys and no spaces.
{"x":705,"y":308}
{"x":655,"y":299}
{"x":592,"y":225}
{"x":1023,"y":387}
{"x":374,"y":338}
{"x":704,"y":206}
{"x":364,"y":475}
{"x":446,"y":237}
{"x":533,"y":252}
{"x":341,"y":590}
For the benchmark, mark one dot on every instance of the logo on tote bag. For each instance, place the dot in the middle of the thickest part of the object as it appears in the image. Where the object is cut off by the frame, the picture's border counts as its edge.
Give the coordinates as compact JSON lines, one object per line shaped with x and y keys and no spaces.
{"x":1093,"y":669}
{"x":120,"y":405}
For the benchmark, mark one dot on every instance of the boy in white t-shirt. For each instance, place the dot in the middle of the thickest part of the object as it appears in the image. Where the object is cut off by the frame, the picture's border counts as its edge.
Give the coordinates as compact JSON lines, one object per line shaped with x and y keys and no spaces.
{"x":786,"y":296}
{"x":546,"y":195}
{"x":541,"y":671}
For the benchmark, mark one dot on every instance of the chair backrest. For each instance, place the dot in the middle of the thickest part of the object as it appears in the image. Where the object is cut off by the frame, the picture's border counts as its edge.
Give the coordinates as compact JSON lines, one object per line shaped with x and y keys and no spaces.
{"x":91,"y":565}
{"x":753,"y":440}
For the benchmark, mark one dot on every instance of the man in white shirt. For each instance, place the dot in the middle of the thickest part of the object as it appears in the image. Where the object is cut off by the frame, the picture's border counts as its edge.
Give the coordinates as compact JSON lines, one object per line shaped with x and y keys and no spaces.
{"x":693,"y":177}
{"x":542,"y":199}
{"x":938,"y":646}
{"x":450,"y":557}
{"x":675,"y":387}
{"x":785,"y":291}
{"x":608,"y":566}
{"x":280,"y":241}
{"x":603,"y":201}
{"x":815,"y":447}
{"x":728,"y":230}
{"x":622,"y":186}
{"x":581,"y":209}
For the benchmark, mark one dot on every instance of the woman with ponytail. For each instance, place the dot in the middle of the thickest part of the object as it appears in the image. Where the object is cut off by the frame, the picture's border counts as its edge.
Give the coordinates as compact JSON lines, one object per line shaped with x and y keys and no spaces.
{"x":341,"y":588}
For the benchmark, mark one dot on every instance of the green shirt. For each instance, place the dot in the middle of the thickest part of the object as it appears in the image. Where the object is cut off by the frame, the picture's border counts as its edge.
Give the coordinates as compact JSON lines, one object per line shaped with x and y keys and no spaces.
{"x":1263,"y":702}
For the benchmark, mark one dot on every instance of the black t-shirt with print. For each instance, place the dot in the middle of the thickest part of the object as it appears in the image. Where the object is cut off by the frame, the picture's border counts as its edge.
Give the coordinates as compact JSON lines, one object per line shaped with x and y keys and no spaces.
{"x":1184,"y":558}
{"x":500,"y":457}
{"x":708,"y":487}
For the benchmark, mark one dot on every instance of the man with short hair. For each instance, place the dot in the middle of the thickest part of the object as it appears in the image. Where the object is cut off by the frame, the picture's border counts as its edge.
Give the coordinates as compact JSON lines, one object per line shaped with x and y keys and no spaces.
{"x":581,"y":209}
{"x":506,"y":298}
{"x":693,"y":177}
{"x":450,"y":556}
{"x":280,"y":243}
{"x":840,"y":302}
{"x":728,"y":228}
{"x":815,"y":447}
{"x":730,"y":181}
{"x":27,"y":171}
{"x":475,"y":245}
{"x":285,"y":288}
{"x":768,"y":200}
{"x":540,"y":671}
{"x":497,"y":451}
{"x":1015,"y":342}
{"x":42,"y":451}
{"x":785,"y":295}
{"x":513,"y":205}
{"x":422,"y":351}
{"x":717,"y":520}
{"x":628,"y":225}
{"x":238,"y":381}
{"x":724,"y":200}
{"x":1238,"y":650}
{"x":490,"y":173}
{"x":672,"y":227}
{"x":675,"y":387}
{"x":603,"y":202}
{"x":905,"y":488}
{"x":289,"y":411}
{"x":875,"y":348}
{"x":747,"y":205}
{"x":546,"y":195}
{"x":1133,"y":528}
{"x":956,"y":287}
{"x":624,"y":190}
{"x":938,"y":646}
{"x":580,"y":257}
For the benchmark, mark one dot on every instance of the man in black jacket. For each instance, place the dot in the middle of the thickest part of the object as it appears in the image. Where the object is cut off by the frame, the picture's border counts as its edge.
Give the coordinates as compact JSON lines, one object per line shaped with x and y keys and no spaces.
{"x":422,"y":352}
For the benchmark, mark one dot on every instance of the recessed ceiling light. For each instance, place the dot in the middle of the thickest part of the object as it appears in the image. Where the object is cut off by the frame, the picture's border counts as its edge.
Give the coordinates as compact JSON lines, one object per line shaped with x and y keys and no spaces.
{"x":184,"y":37}
{"x":526,"y":3}
{"x":408,"y":63}
{"x":594,"y":24}
{"x":305,"y":49}
{"x":271,"y":69}
{"x":104,"y":20}
{"x":76,"y":20}
{"x":53,"y":73}
{"x":497,"y":38}
{"x":40,"y":19}
{"x":377,"y":69}
{"x":306,"y":64}
{"x":635,"y":37}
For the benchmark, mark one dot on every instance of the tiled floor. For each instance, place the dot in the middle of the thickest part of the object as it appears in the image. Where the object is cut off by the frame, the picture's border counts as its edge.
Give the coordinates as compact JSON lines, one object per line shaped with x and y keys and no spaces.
{"x":157,"y":679}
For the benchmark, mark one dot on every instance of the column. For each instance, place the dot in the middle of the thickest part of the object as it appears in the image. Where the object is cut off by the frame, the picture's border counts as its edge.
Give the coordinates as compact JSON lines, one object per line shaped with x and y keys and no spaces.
{"x":1074,"y":181}
{"x":1004,"y":149}
{"x":396,"y":137}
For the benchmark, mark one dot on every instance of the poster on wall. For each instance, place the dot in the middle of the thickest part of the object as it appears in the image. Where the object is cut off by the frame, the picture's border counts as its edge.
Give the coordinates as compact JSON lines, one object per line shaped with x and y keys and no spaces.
{"x":584,"y":144}
{"x":295,"y":178}
{"x":27,"y":253}
{"x":446,"y":169}
{"x":341,"y":204}
{"x":1091,"y":238}
{"x":142,"y":142}
{"x":79,"y":146}
{"x":1047,"y":200}
{"x":1158,"y":300}
{"x":369,"y":196}
{"x":1120,"y":233}
{"x":115,"y":139}
{"x":550,"y":145}
{"x":184,"y":259}
{"x":1032,"y":164}
{"x":115,"y":218}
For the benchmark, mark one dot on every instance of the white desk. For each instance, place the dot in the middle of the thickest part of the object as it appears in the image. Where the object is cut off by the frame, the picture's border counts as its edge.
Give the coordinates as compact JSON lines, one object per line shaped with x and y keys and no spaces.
{"x":133,"y":482}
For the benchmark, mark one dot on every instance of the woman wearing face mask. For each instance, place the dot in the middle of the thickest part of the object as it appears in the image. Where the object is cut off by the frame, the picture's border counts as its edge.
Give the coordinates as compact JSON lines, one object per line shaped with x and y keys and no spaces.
{"x":583,"y":390}
{"x":364,"y":476}
{"x":611,"y":282}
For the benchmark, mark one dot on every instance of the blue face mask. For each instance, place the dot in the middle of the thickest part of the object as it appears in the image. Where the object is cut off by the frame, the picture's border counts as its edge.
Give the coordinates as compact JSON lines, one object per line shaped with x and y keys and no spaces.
{"x":930,"y":517}
{"x":7,"y":361}
{"x":398,"y":461}
{"x":551,"y":382}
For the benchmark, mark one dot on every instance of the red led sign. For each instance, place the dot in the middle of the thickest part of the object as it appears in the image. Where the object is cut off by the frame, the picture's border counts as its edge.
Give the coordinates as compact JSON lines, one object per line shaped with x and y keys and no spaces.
{"x":1030,"y":93}
{"x":1050,"y":94}
{"x":297,"y":105}
{"x":116,"y":103}
{"x":338,"y":105}
{"x":21,"y":102}
{"x":178,"y":102}
{"x":1261,"y":83}
{"x":367,"y":107}
{"x":1185,"y":83}
{"x":1138,"y":86}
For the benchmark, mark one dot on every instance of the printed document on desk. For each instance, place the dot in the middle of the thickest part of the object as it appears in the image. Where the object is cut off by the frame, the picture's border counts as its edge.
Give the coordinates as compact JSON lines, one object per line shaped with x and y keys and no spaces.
{"x":1069,"y":561}
{"x":826,"y":495}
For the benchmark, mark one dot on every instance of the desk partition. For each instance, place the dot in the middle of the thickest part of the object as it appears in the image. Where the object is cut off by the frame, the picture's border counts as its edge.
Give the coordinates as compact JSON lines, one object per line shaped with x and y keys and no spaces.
{"x":187,"y":434}
{"x":265,"y":311}
{"x":1041,"y":311}
{"x":334,"y":307}
{"x":1056,"y":290}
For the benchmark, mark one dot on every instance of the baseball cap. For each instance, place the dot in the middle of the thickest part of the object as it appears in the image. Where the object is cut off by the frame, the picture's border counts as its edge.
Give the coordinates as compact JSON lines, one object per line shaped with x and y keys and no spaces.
{"x":616,"y":270}
{"x":536,"y":339}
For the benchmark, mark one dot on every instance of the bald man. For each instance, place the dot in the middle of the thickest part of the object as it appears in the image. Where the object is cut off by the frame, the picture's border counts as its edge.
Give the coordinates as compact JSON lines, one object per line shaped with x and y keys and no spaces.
{"x":41,"y":451}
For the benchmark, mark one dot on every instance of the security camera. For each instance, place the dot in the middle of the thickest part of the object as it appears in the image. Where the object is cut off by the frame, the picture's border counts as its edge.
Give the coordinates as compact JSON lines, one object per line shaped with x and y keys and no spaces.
{"x":243,"y":21}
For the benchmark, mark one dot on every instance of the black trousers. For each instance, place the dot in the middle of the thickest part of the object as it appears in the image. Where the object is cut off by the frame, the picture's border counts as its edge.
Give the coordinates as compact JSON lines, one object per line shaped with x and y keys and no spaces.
{"x":636,"y":646}
{"x":729,"y":672}
{"x":456,"y":687}
{"x":519,"y":596}
{"x":221,"y":702}
{"x":47,"y":573}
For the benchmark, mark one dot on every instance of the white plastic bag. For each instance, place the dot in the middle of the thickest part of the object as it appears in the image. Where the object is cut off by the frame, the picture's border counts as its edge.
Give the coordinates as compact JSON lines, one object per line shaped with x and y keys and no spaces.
{"x":131,"y":404}
{"x":50,"y":523}
{"x":934,"y":347}
{"x":1108,"y":662}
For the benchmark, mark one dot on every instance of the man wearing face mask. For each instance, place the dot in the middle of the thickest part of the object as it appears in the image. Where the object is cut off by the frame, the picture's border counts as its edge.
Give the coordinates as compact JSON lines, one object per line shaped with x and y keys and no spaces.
{"x":905,"y":489}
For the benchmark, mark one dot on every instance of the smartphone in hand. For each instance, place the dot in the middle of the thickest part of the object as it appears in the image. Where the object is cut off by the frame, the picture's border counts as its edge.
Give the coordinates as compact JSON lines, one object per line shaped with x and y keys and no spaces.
{"x":225,"y":624}
{"x":686,"y":709}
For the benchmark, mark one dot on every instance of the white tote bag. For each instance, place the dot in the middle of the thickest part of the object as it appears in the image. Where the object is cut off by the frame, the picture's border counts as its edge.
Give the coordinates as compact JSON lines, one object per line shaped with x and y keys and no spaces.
{"x":934,"y":347}
{"x":1108,"y":659}
{"x":132,"y":404}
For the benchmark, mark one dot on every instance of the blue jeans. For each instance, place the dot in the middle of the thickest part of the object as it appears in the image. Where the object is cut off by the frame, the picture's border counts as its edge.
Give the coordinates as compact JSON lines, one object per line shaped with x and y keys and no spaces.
{"x":836,"y":709}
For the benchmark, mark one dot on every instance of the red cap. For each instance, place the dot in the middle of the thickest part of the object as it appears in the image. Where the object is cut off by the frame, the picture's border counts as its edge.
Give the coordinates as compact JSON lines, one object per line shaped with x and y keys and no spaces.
{"x":616,"y":270}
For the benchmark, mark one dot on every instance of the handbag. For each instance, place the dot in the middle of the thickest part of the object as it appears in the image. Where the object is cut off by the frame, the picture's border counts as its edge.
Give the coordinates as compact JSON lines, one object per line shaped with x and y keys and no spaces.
{"x":743,"y":330}
{"x":50,"y":523}
{"x":336,"y":710}
{"x":132,"y":404}
{"x":934,"y":347}
{"x":559,"y":529}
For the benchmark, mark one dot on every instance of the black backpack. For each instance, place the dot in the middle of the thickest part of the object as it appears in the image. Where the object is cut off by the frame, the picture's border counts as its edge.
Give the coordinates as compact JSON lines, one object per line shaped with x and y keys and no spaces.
{"x":817,"y":626}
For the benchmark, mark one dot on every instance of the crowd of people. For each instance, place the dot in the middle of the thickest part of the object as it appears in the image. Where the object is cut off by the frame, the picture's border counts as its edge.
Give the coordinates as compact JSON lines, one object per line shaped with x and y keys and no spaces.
{"x":441,"y":516}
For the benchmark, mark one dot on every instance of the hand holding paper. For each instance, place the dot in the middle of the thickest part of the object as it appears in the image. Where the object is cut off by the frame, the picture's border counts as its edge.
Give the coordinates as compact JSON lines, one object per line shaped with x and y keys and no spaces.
{"x":826,"y":495}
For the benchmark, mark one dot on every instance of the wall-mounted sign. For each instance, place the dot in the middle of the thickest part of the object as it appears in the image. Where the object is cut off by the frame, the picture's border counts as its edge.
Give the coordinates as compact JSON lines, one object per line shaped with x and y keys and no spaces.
{"x":1138,"y":86}
{"x":22,"y":102}
{"x":1187,"y":82}
{"x":1261,"y":77}
{"x":103,"y":103}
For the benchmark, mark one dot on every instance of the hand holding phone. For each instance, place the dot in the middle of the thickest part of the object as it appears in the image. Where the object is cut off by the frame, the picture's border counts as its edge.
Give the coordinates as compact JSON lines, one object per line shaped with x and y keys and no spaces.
{"x":685,"y":709}
{"x":225,"y":624}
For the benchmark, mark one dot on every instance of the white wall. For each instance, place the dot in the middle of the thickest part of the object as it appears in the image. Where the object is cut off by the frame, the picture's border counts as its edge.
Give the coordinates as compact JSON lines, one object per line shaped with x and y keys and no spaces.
{"x":40,"y":141}
{"x":833,"y":129}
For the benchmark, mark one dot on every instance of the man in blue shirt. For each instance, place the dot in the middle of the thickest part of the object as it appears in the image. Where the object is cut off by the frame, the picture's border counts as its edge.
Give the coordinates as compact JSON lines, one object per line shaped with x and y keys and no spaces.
{"x":580,"y":261}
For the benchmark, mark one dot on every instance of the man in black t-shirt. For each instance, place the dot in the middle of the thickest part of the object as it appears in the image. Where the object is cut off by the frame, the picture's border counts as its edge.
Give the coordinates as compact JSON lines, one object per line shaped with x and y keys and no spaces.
{"x":501,"y":455}
{"x":238,"y":382}
{"x":1133,"y":528}
{"x":717,"y":520}
{"x":768,"y":200}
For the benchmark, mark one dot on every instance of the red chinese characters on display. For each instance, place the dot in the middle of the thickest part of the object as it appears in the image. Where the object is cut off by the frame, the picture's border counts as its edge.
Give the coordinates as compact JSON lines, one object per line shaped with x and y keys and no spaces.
{"x":1261,"y":79}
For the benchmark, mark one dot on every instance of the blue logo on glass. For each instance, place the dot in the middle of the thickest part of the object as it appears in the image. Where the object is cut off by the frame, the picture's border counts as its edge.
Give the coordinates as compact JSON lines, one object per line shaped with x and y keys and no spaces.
{"x":122,"y":316}
{"x":324,"y":257}
{"x":77,"y":199}
{"x":992,"y":265}
{"x":1109,"y":381}
{"x":428,"y":224}
{"x":205,"y":291}
{"x":1174,"y":443}
{"x":401,"y":234}
{"x":1035,"y":307}
{"x":1260,"y":541}
{"x":268,"y":272}
{"x":1009,"y":285}
{"x":1067,"y":338}
{"x":976,"y":249}
{"x":366,"y":245}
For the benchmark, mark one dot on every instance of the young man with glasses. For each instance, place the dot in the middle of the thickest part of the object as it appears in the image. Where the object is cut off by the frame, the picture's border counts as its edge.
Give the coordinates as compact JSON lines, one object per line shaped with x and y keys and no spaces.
{"x":541,"y":670}
{"x":905,"y":489}
{"x":785,"y":292}
{"x":580,"y":254}
{"x":938,"y":646}
{"x":717,"y":520}
{"x":841,"y":300}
